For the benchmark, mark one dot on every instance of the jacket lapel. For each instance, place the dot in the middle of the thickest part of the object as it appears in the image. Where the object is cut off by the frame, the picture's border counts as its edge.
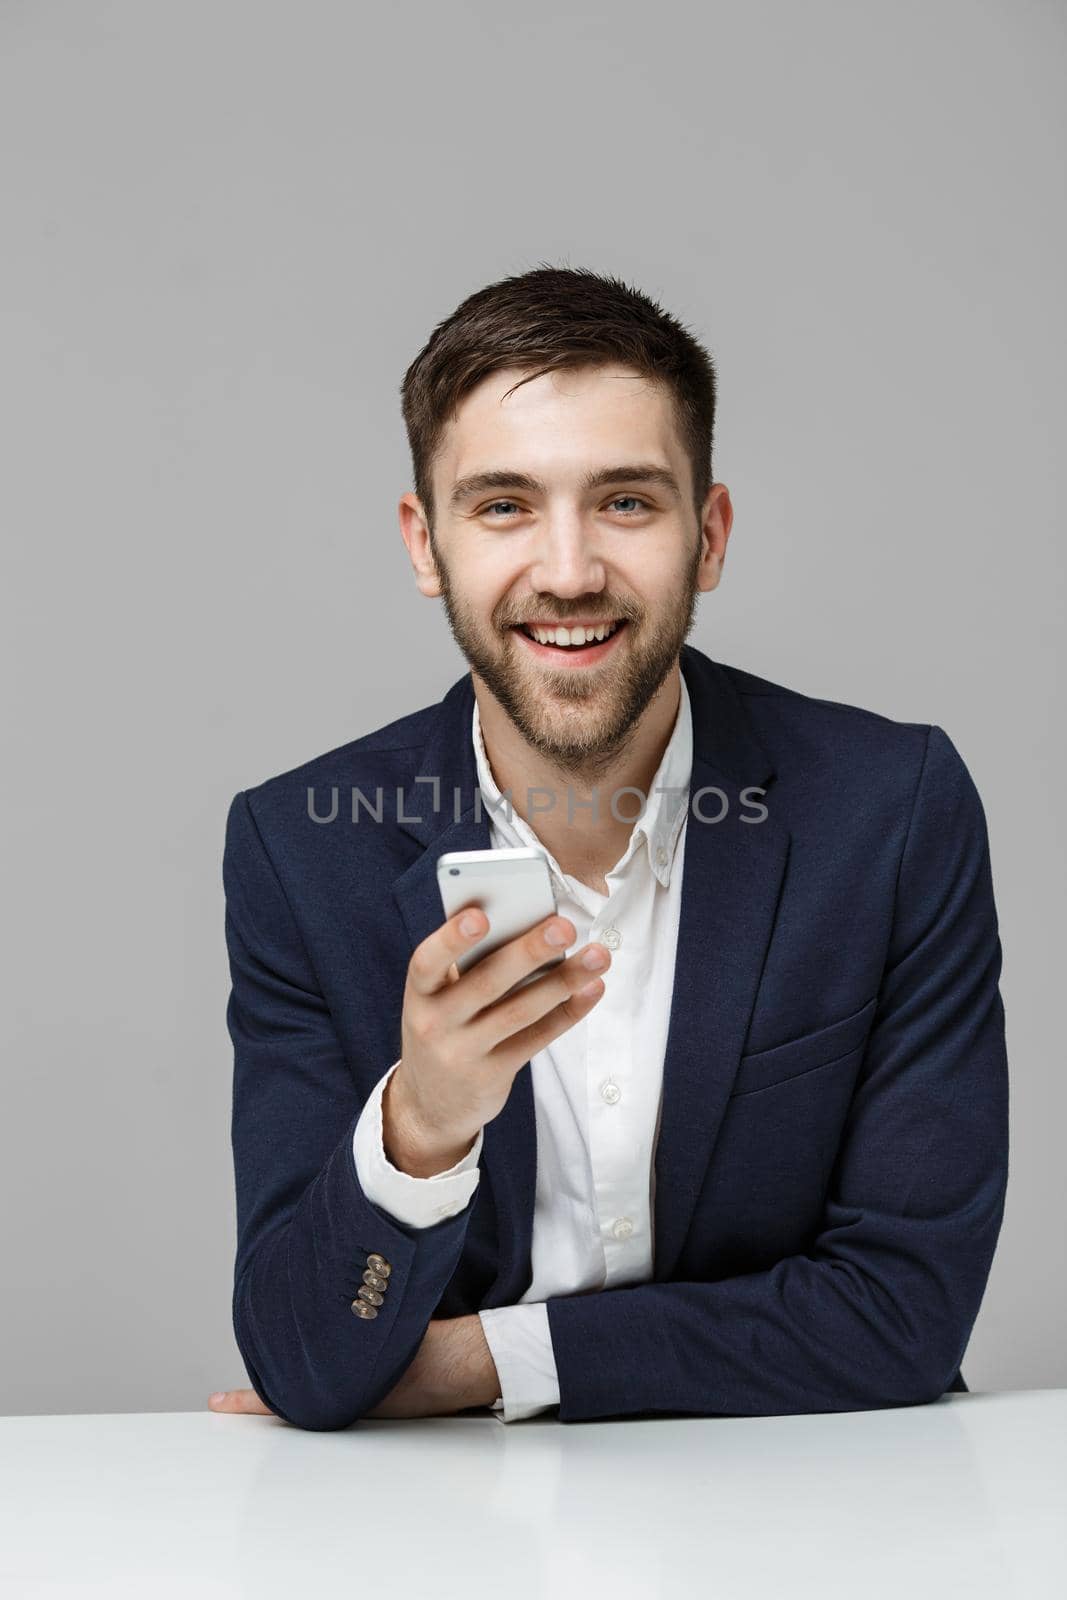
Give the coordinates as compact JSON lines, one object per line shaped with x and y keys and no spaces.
{"x":732,"y":878}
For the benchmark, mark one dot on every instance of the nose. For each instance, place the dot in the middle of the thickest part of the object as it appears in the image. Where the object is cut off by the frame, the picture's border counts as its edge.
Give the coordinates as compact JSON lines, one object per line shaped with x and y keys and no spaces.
{"x":567,"y":562}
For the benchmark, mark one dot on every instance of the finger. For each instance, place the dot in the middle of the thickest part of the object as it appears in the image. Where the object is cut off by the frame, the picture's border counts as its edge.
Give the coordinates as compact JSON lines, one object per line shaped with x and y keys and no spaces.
{"x":542,"y":1009}
{"x":241,"y":1401}
{"x":522,"y":1045}
{"x":495,"y":975}
{"x":431,"y":961}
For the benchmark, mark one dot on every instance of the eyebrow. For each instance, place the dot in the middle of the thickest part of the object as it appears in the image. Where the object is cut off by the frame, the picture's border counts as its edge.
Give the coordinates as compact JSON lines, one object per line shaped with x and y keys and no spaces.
{"x":505,"y":478}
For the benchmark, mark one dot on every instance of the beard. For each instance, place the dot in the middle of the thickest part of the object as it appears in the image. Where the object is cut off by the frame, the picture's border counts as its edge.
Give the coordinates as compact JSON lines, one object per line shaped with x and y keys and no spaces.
{"x":580,"y":721}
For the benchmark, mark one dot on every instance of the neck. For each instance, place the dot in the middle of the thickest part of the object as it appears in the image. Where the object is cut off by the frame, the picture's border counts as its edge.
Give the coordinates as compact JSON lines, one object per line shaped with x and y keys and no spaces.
{"x":558,"y":806}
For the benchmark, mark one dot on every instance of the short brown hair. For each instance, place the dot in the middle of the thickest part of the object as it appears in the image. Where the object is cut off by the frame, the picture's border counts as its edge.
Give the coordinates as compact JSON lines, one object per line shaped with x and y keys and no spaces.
{"x":546,"y":319}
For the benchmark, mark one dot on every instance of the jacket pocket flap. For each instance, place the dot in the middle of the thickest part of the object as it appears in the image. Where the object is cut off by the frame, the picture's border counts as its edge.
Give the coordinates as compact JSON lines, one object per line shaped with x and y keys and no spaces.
{"x":765,"y":1067}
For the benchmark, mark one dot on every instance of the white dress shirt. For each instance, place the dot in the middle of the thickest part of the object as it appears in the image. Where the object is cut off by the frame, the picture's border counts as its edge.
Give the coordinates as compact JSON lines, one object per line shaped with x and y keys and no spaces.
{"x":597,"y":1088}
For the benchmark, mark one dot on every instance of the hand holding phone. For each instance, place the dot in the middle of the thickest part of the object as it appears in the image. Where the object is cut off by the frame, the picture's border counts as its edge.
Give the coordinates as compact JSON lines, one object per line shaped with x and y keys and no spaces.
{"x":471,"y":1021}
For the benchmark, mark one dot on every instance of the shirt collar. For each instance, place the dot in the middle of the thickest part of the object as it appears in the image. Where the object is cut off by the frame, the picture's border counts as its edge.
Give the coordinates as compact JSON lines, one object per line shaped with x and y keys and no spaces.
{"x":668,"y":798}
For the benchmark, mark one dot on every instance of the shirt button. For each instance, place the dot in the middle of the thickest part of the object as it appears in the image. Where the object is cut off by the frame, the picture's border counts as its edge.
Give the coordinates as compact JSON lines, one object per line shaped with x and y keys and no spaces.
{"x":611,"y":938}
{"x":661,"y":857}
{"x":622,"y":1228}
{"x":611,"y":1093}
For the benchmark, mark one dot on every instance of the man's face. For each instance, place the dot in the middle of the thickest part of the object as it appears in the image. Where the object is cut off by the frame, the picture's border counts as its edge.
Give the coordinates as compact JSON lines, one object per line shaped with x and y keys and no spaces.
{"x":628,"y":550}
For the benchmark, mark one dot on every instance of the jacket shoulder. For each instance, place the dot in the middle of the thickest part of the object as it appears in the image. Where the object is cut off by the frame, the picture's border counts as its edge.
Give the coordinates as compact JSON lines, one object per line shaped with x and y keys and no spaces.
{"x":846,"y":761}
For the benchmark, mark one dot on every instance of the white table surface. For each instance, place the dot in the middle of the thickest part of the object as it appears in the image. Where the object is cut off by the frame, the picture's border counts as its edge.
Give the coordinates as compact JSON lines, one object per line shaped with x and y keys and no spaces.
{"x":963,"y":1497}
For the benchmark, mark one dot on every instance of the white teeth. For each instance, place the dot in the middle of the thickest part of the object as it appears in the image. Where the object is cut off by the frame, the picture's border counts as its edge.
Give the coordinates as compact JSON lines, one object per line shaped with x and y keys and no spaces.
{"x":568,"y":636}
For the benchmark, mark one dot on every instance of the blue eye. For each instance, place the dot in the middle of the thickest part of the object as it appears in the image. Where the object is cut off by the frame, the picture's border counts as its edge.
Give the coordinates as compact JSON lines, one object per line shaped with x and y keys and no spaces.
{"x":633,"y":497}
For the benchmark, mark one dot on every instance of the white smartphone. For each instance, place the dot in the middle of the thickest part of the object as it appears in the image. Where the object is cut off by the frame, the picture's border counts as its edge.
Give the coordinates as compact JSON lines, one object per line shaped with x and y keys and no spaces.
{"x":513,"y":888}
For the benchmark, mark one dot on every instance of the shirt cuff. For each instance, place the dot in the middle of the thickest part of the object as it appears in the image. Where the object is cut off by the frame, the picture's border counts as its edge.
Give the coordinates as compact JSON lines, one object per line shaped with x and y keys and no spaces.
{"x":415,"y":1202}
{"x":520,"y":1344}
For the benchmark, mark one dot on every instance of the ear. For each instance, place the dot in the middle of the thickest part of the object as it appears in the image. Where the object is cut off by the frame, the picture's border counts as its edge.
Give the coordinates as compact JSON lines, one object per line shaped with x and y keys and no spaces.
{"x":416,"y":535}
{"x":716,"y":522}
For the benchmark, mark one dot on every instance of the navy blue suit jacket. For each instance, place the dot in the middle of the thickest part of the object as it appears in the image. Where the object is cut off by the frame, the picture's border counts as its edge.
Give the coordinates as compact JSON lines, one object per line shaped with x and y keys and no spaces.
{"x":833,"y":1150}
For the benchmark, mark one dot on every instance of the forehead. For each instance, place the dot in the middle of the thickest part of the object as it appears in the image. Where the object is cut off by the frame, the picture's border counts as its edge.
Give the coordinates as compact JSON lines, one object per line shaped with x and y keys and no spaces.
{"x":558,"y":422}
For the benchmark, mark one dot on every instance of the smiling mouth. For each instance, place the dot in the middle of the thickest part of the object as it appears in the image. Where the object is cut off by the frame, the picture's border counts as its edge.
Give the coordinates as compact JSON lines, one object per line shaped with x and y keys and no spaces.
{"x":586,"y":647}
{"x":564,"y":636}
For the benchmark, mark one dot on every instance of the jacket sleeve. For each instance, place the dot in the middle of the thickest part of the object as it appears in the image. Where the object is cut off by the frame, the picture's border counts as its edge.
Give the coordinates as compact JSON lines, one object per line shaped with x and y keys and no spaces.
{"x":518,"y":1336}
{"x":879,"y":1310}
{"x":305,"y":1228}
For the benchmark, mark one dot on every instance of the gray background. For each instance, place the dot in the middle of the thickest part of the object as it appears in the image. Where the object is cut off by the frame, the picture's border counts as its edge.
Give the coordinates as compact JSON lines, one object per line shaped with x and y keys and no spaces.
{"x":226,"y":230}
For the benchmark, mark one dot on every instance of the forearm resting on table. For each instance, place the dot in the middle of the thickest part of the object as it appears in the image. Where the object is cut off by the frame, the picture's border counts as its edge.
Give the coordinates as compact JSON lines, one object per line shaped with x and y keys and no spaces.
{"x":453,"y":1370}
{"x":465,"y":1366}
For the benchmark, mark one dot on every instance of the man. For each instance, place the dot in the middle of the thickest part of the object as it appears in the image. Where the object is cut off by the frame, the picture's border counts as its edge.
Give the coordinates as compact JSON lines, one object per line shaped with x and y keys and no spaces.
{"x":757,"y":1163}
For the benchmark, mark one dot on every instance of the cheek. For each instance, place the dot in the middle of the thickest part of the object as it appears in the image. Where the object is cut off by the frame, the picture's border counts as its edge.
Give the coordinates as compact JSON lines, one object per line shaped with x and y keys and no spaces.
{"x":659,"y":565}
